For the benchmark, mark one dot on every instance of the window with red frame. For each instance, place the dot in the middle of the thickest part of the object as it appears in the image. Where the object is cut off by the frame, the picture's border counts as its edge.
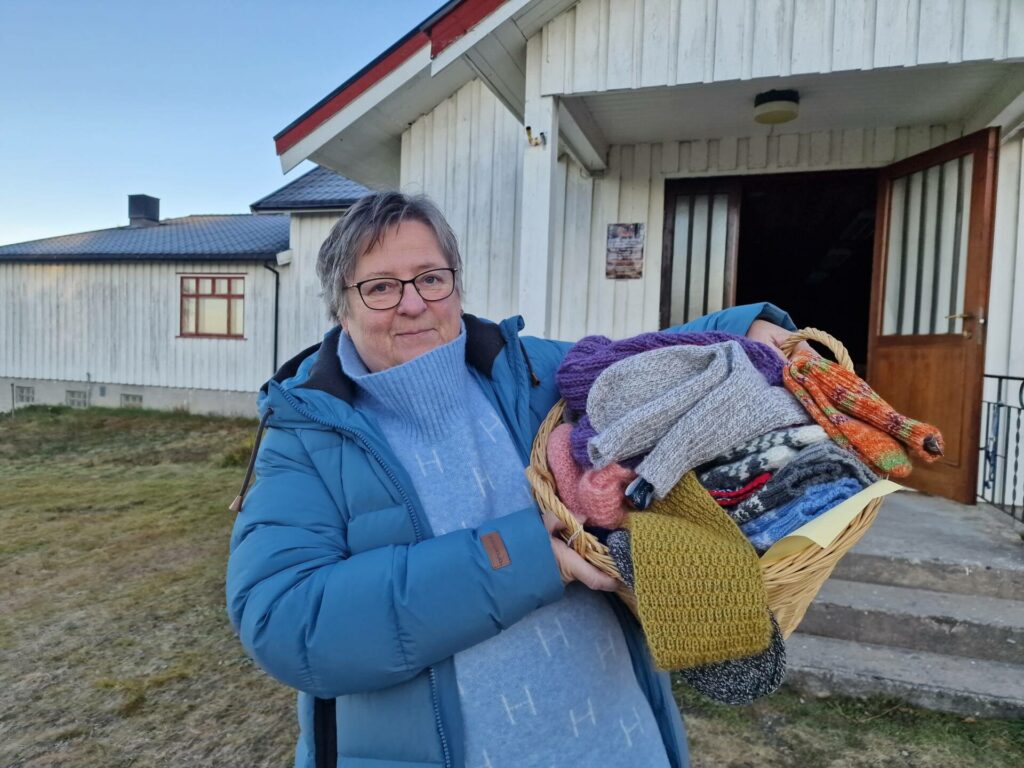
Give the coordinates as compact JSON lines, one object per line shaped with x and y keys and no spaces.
{"x":213,"y":306}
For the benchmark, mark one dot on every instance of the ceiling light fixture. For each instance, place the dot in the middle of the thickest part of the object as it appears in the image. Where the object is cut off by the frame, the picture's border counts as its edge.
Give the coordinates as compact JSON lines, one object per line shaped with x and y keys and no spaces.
{"x":774,"y":107}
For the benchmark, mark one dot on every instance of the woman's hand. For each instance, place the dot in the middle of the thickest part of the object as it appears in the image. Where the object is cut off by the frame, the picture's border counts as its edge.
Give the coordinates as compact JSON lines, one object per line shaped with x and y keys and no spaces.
{"x":571,"y":565}
{"x":773,"y":335}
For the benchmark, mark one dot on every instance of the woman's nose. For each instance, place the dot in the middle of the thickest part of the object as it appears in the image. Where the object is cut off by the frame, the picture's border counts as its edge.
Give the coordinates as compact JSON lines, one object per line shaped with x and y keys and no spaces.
{"x":412,"y":302}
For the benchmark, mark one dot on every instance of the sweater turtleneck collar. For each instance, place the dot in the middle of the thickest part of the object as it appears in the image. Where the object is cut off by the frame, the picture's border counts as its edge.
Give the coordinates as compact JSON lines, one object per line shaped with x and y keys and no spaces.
{"x":425,"y":393}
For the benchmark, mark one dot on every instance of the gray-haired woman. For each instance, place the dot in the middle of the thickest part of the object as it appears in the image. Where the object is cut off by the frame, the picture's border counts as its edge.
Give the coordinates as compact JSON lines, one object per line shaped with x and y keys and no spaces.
{"x":389,"y":561}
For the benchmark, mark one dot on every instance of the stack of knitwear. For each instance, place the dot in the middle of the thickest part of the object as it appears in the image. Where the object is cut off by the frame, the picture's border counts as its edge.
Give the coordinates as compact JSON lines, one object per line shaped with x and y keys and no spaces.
{"x":855,"y":417}
{"x":823,"y":462}
{"x":682,"y":406}
{"x":699,"y":592}
{"x":592,"y":355}
{"x":778,"y":522}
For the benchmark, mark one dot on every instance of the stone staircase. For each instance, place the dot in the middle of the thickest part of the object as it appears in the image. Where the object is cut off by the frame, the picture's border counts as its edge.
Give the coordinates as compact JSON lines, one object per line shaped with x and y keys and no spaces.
{"x":928,"y":608}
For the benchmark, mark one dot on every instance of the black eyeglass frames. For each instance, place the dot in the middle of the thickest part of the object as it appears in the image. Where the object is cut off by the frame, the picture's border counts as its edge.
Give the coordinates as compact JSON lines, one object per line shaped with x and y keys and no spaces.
{"x":387,"y":292}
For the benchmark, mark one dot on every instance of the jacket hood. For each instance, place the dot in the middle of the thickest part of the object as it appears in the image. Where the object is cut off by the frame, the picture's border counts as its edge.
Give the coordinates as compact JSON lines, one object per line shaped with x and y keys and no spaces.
{"x":311,"y":389}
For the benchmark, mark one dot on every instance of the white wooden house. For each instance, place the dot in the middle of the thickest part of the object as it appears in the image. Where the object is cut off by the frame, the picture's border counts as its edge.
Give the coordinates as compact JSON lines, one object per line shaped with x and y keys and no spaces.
{"x":192,"y":313}
{"x":887,"y":211}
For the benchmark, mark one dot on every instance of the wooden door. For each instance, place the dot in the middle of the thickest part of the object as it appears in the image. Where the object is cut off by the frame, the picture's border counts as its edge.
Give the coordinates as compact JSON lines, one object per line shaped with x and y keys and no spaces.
{"x":929,"y":299}
{"x":698,"y":265}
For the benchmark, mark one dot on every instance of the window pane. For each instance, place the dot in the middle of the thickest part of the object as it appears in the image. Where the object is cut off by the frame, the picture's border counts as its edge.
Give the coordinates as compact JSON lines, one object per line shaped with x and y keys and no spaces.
{"x":237,"y":317}
{"x":206,"y":285}
{"x":188,"y":316}
{"x":188,"y":285}
{"x":213,"y":316}
{"x":221,"y":285}
{"x":236,"y":286}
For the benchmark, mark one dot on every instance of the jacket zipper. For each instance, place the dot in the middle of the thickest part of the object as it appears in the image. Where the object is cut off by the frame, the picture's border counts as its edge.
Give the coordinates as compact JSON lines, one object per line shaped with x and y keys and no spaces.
{"x":361,"y":439}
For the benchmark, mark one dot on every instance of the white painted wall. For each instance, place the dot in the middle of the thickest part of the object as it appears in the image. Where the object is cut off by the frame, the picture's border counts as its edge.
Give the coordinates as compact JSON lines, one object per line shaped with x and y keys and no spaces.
{"x":604,"y":45}
{"x":467,"y":155}
{"x":1004,"y":351}
{"x":119,"y":322}
{"x":303,"y":320}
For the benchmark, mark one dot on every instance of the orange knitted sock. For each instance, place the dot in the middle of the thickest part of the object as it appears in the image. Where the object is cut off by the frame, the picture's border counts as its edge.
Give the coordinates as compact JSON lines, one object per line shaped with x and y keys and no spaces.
{"x":851,"y":394}
{"x":871,"y":445}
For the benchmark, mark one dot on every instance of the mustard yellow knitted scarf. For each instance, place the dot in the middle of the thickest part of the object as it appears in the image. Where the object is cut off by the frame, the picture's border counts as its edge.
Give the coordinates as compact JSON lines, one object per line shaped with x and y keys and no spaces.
{"x":699,"y":592}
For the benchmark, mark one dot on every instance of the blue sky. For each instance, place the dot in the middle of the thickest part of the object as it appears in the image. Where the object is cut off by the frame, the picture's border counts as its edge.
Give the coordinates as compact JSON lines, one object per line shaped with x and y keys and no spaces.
{"x":179,"y":100}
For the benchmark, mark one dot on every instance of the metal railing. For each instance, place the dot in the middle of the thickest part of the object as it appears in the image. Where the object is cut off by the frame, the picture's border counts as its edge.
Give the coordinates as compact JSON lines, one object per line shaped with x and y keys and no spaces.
{"x":1002,"y":471}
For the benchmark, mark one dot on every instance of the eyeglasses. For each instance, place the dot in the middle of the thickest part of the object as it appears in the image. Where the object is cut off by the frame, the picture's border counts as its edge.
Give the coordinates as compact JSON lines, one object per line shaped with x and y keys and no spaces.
{"x":387,"y":292}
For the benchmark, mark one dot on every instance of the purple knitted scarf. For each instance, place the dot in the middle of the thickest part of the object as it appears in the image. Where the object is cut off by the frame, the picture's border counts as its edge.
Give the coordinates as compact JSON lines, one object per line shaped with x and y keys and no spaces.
{"x":592,"y":354}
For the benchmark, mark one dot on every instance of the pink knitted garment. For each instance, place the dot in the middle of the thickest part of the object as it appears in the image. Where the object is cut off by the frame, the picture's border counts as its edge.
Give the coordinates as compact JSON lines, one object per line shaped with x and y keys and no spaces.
{"x":564,"y":467}
{"x":595,"y":497}
{"x":601,"y":495}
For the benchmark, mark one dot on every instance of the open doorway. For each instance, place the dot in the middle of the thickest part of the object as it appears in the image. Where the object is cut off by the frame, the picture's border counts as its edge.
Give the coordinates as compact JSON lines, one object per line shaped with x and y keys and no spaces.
{"x":806,"y":243}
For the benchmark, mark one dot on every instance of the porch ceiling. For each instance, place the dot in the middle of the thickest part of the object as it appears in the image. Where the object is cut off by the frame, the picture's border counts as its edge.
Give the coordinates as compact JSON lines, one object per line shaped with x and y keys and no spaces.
{"x":890,"y":97}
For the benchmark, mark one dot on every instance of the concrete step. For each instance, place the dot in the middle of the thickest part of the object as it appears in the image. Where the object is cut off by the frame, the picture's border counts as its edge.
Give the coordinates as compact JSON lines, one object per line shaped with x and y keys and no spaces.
{"x":957,"y":625}
{"x":927,"y":542}
{"x":824,"y":666}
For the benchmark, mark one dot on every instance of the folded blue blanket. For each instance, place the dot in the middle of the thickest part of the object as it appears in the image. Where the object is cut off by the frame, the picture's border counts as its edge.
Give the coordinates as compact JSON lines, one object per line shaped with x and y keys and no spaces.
{"x":781,"y":521}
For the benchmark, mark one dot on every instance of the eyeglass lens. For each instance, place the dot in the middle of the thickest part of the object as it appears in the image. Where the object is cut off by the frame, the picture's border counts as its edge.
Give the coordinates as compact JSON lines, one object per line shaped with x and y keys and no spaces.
{"x":386,"y":292}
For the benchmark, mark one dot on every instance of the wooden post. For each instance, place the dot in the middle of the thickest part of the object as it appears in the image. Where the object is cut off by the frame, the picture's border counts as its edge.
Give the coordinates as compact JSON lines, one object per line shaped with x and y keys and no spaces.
{"x":537,"y":226}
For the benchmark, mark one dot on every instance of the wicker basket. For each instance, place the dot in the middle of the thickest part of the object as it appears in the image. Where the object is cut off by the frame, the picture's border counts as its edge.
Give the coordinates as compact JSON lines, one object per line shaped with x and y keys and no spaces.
{"x":791,"y":582}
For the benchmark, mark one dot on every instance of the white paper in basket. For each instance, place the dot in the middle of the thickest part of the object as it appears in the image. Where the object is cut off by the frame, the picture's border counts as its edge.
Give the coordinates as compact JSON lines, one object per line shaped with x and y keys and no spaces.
{"x":824,"y":529}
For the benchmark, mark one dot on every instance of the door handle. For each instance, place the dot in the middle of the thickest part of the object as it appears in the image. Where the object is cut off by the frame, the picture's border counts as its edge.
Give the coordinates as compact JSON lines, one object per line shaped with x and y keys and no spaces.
{"x":966,"y":316}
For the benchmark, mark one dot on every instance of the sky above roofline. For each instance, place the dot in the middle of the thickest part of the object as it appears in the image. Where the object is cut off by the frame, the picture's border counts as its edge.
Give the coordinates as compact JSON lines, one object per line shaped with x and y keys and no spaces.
{"x":103,"y":100}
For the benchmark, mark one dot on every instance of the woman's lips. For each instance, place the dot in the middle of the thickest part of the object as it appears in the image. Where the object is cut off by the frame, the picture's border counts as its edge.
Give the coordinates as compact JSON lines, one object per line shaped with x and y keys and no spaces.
{"x":414,"y":334}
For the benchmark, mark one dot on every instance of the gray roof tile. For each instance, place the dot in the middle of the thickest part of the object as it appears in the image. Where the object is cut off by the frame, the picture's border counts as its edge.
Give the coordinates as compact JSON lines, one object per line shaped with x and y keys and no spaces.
{"x":321,"y":188}
{"x":240,"y":237}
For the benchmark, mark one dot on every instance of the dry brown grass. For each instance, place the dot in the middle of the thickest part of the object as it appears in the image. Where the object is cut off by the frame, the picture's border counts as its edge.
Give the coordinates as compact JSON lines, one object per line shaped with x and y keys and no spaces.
{"x":115,"y":649}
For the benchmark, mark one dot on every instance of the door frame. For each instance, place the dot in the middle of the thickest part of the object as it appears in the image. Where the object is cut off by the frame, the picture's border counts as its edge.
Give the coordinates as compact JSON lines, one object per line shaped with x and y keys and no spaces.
{"x":983,"y":147}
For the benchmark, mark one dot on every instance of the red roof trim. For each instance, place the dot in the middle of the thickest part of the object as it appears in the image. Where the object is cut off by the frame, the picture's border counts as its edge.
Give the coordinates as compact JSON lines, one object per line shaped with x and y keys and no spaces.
{"x":348,"y":92}
{"x":441,"y":30}
{"x":458,"y":22}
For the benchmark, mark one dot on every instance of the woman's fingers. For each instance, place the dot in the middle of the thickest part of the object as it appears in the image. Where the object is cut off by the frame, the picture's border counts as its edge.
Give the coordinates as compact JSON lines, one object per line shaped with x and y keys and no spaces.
{"x":573,"y":567}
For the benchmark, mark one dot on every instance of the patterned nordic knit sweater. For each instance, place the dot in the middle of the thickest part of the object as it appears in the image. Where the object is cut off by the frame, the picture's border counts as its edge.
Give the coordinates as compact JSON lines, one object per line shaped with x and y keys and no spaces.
{"x":558,"y":687}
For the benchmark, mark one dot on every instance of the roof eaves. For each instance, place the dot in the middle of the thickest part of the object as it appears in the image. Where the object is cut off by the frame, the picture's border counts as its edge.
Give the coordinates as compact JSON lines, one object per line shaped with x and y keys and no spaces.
{"x":79,"y":258}
{"x":454,"y":19}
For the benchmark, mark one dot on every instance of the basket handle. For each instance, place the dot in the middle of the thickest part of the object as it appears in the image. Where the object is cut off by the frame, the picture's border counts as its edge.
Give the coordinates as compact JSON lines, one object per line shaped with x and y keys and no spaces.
{"x":825,"y":339}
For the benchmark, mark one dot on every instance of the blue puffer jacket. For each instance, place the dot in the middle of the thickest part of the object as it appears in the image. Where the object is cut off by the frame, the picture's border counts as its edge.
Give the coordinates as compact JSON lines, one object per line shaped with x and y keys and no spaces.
{"x":338,"y":588}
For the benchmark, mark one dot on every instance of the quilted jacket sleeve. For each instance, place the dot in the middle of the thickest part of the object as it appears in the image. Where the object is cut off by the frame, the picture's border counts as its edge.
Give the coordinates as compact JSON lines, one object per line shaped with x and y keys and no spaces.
{"x":328,"y":622}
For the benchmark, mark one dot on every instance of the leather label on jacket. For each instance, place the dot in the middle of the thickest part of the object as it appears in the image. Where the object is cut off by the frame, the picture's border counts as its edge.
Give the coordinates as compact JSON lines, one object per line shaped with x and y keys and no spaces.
{"x":496,"y":551}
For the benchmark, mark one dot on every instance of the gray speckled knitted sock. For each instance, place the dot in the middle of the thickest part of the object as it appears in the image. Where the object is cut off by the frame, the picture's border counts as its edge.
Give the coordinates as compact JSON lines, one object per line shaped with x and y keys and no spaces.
{"x":686,"y":405}
{"x":740,"y":681}
{"x":618,"y":548}
{"x":823,"y":462}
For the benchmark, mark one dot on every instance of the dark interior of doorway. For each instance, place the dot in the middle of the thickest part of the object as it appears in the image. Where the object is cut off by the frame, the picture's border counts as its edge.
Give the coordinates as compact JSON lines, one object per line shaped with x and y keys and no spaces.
{"x":806,"y":243}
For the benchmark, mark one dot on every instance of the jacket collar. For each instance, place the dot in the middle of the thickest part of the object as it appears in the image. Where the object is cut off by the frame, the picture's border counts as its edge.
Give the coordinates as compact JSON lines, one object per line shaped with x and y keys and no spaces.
{"x":484,"y":341}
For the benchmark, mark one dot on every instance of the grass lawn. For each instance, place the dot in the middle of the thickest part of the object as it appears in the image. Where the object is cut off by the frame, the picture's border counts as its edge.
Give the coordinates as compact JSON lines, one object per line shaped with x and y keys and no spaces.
{"x":115,"y":649}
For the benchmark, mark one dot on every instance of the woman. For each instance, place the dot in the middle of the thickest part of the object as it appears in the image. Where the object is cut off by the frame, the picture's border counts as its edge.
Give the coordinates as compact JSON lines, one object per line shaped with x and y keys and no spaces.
{"x":389,"y":561}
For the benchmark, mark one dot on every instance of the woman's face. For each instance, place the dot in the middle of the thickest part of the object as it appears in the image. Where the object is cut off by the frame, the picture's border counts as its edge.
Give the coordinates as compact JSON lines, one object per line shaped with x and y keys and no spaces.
{"x":389,"y":337}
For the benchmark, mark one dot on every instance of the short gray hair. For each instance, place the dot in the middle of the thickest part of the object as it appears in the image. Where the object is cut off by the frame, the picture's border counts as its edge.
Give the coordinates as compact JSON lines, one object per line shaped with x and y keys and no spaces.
{"x":363,"y":226}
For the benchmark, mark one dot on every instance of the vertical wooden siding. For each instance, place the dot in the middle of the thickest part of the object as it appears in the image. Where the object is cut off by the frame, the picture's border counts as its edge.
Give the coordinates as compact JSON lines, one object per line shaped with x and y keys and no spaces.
{"x":1004,"y":352}
{"x":466,"y":155}
{"x":118,"y":323}
{"x":633,"y":190}
{"x":604,"y":45}
{"x":303,"y":320}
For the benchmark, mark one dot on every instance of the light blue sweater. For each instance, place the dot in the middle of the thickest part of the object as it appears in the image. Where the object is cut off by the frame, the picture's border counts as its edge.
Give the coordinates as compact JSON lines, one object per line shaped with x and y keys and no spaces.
{"x":558,"y":687}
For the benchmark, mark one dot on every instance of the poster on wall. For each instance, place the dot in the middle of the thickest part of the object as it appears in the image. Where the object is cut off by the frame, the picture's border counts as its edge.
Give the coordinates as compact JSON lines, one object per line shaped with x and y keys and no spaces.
{"x":624,"y":259}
